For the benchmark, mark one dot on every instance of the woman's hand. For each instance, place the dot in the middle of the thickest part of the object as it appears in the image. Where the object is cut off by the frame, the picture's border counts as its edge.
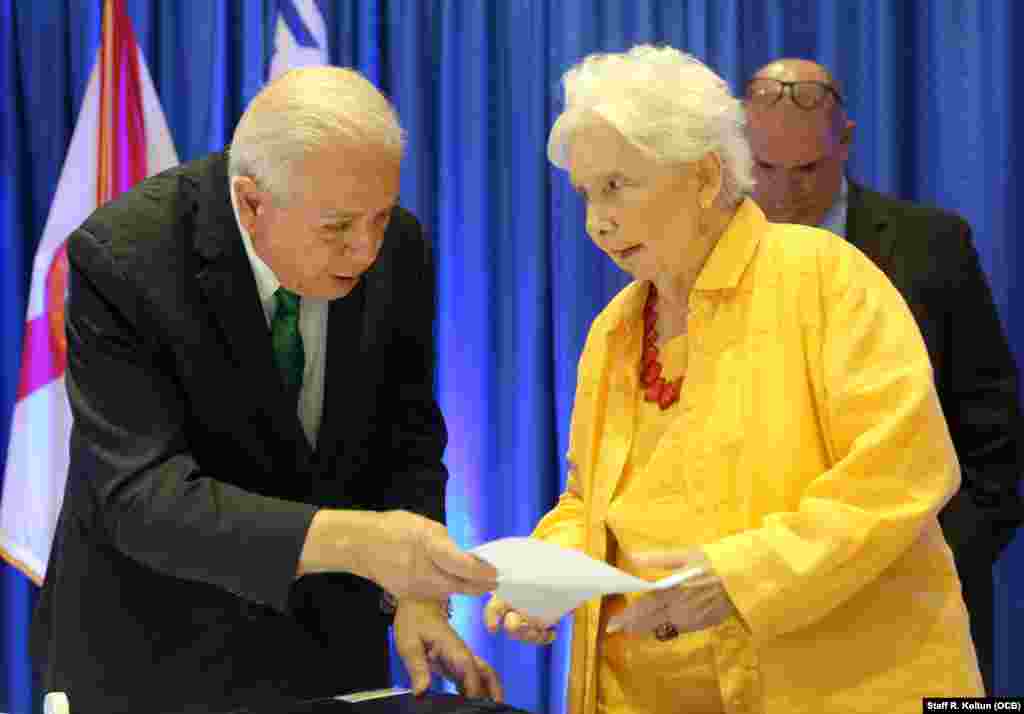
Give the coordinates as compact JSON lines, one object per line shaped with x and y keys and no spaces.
{"x":697,"y":604}
{"x":499,"y":614}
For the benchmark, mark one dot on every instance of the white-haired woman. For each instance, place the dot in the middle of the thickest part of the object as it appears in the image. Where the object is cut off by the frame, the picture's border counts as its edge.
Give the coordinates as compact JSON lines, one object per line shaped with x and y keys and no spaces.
{"x":757,"y":404}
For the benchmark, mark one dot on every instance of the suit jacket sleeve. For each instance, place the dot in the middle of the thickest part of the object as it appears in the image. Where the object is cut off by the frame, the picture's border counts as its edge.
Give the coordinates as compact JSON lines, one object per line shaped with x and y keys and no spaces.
{"x":144,"y":493}
{"x":979,"y":387}
{"x":414,"y":475}
{"x":893,"y":466}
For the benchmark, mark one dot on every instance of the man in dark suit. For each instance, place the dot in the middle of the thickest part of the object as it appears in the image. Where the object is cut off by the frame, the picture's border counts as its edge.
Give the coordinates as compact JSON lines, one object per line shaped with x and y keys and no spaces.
{"x":801,"y":137}
{"x":256,"y":452}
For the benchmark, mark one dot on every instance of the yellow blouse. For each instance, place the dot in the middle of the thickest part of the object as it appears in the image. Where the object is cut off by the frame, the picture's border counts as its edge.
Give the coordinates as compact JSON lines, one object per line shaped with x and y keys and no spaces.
{"x":809,"y":456}
{"x":636,"y":673}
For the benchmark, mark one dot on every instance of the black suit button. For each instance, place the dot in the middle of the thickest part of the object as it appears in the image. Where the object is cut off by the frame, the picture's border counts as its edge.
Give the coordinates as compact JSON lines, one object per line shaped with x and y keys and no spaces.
{"x":256,"y":610}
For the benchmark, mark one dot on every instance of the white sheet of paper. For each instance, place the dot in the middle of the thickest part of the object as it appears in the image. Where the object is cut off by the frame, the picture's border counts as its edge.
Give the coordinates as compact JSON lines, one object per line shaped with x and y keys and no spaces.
{"x":370,"y":694}
{"x":546,"y":580}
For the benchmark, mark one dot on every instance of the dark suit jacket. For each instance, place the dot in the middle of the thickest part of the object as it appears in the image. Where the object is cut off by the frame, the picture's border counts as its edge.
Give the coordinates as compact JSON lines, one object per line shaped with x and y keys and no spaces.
{"x":930,"y":258}
{"x":191,"y":485}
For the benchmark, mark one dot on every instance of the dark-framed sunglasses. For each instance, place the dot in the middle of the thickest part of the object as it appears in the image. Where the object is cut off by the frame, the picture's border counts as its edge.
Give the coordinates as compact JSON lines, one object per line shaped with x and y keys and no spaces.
{"x":806,"y":94}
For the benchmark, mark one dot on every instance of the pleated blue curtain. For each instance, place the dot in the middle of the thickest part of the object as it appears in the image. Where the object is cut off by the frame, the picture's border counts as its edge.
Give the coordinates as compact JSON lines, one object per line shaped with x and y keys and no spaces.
{"x":476,"y":83}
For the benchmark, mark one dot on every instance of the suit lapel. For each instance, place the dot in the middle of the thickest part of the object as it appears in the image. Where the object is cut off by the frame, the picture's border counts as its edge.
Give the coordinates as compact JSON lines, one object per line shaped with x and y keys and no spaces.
{"x":867,"y":226}
{"x":229,"y":288}
{"x":350,"y":384}
{"x":620,"y":399}
{"x":343,"y":380}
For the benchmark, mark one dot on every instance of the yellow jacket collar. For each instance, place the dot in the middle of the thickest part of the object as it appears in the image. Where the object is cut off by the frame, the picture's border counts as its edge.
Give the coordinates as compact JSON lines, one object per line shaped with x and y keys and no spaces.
{"x":726,"y":265}
{"x":734,"y":250}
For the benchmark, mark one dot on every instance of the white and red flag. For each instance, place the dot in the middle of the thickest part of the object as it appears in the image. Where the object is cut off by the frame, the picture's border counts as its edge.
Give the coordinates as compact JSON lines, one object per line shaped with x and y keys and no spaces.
{"x":120,"y":137}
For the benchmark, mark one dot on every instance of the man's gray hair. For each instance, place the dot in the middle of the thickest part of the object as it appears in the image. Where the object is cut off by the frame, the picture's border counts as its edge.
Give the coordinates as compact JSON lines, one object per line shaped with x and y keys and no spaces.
{"x":300,"y":113}
{"x":666,"y":103}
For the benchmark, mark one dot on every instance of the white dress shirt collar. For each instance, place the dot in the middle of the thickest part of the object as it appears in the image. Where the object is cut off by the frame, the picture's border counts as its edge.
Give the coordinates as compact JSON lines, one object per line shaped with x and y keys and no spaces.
{"x":312,"y":327}
{"x":835,"y":219}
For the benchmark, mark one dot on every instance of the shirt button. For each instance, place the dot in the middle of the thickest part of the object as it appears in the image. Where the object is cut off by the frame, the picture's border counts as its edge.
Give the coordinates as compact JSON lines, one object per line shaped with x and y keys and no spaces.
{"x":731,"y":628}
{"x":740,"y":702}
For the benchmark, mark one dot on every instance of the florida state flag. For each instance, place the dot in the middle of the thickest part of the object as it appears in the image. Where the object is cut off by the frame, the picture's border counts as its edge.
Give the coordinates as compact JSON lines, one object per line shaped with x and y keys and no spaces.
{"x":120,"y":137}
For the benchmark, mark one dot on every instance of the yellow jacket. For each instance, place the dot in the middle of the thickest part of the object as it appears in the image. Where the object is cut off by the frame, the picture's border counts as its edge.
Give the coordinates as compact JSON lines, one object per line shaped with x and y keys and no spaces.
{"x":811,"y":448}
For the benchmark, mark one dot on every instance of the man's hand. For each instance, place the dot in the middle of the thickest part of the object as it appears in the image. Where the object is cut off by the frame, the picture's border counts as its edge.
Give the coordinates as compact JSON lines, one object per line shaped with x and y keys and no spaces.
{"x":408,"y":555}
{"x":427,"y":643}
{"x":499,"y":614}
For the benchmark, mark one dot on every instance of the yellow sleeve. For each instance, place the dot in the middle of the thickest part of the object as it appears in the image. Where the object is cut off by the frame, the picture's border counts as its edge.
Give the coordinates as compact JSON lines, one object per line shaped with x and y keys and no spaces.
{"x":563,"y":524}
{"x":893,"y":463}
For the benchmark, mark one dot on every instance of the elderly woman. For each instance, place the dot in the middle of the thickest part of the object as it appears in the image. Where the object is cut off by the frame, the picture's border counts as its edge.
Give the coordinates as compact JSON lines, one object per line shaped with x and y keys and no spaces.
{"x":759,"y":404}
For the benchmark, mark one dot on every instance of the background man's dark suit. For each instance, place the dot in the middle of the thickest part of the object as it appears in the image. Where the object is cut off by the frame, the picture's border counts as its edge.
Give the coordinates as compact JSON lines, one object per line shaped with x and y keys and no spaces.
{"x":929,"y":256}
{"x":191,"y":484}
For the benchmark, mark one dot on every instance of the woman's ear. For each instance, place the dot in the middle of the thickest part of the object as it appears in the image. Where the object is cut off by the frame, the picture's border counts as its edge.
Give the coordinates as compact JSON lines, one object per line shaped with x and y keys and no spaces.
{"x":709,"y":176}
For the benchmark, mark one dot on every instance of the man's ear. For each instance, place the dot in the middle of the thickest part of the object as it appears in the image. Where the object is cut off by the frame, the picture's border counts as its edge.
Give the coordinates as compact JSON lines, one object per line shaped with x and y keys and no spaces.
{"x":846,"y":135}
{"x":846,"y":139}
{"x":251,"y":201}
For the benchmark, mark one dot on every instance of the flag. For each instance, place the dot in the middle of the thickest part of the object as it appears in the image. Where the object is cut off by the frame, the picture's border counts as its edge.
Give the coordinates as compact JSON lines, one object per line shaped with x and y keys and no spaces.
{"x":120,"y":137}
{"x":300,"y":37}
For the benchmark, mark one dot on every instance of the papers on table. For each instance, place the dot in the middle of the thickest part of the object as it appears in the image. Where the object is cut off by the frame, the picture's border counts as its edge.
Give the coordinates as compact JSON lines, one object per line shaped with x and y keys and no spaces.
{"x":547,"y":581}
{"x":372,"y":694}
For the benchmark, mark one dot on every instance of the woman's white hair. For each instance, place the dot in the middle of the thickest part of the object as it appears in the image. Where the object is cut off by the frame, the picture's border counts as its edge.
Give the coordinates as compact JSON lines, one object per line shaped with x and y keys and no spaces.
{"x":303,"y":111}
{"x":664,"y":102}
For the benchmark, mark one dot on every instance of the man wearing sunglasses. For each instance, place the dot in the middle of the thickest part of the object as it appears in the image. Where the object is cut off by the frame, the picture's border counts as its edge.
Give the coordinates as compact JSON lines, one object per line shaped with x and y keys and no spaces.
{"x":801,"y":137}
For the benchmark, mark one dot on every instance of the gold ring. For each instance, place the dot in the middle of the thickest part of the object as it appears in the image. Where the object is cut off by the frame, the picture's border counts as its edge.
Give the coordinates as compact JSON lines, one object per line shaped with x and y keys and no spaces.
{"x":665,"y":631}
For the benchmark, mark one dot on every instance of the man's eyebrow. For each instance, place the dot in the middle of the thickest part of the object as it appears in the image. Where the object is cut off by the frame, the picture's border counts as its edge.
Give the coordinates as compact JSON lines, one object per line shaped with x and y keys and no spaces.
{"x":768,"y":164}
{"x":343,"y":215}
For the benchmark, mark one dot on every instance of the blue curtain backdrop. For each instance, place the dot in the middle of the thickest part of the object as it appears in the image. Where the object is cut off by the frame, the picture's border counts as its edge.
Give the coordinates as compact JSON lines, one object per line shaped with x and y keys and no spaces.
{"x":476,"y":85}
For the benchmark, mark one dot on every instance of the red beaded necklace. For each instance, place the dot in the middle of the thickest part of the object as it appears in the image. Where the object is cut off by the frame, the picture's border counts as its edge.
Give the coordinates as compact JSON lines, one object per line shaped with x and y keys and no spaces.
{"x":656,"y":388}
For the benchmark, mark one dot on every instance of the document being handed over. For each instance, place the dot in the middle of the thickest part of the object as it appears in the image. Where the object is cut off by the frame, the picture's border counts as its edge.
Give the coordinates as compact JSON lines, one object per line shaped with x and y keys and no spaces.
{"x":546,"y":581}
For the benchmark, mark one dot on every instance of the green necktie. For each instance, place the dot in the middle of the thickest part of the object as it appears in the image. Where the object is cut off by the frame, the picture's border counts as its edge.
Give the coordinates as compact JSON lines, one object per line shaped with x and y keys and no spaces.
{"x":284,"y":333}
